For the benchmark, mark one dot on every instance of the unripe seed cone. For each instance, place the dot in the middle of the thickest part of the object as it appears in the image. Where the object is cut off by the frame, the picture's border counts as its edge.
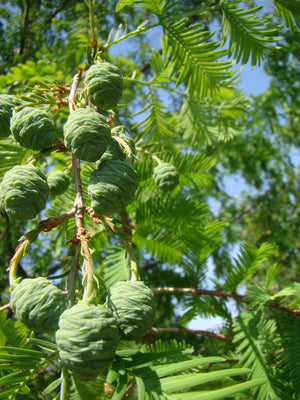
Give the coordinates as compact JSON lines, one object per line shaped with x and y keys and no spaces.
{"x":58,"y":182}
{"x":7,"y":103}
{"x":166,"y":176}
{"x":133,"y":304}
{"x":115,"y":150}
{"x":105,"y":85}
{"x":112,"y":187}
{"x":86,"y":134}
{"x":23,"y":192}
{"x":87,"y":338}
{"x":32,"y":128}
{"x":38,"y":303}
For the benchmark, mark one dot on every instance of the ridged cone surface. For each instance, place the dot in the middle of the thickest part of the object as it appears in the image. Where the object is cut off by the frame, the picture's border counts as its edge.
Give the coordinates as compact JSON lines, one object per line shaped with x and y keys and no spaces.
{"x":112,"y":187}
{"x":86,"y":134}
{"x":38,"y":303}
{"x":114,"y":151}
{"x":166,"y":176}
{"x":58,"y":182}
{"x":133,"y":304}
{"x":105,"y":85}
{"x":87,"y":338}
{"x":23,"y":192}
{"x":6,"y":106}
{"x":32,"y":128}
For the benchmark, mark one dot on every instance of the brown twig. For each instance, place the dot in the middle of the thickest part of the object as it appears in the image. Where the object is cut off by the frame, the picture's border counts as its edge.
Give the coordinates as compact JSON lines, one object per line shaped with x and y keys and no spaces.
{"x":218,"y":336}
{"x":5,"y":307}
{"x":48,"y":224}
{"x":45,"y":226}
{"x":199,"y":292}
{"x":126,"y":223}
{"x":295,"y":313}
{"x":80,"y":208}
{"x":224,"y":296}
{"x":59,"y":146}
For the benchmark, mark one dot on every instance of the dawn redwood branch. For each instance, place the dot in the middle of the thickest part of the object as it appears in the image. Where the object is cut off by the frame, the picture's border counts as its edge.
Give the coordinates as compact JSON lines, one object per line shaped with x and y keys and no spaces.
{"x":48,"y":224}
{"x":5,"y":307}
{"x":25,"y":240}
{"x":295,"y":313}
{"x":199,"y":292}
{"x":59,"y":146}
{"x":218,"y":336}
{"x":79,"y":203}
{"x":223,"y":295}
{"x":126,"y":228}
{"x":80,"y":231}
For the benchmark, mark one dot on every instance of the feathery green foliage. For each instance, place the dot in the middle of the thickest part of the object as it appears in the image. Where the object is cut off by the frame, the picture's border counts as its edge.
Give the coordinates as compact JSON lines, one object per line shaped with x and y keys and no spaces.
{"x":196,"y":57}
{"x":289,"y":10}
{"x":289,"y":358}
{"x":11,"y":153}
{"x":250,"y":36}
{"x":203,"y":121}
{"x":156,"y":378}
{"x":247,"y":263}
{"x":116,"y":266}
{"x":252,"y":333}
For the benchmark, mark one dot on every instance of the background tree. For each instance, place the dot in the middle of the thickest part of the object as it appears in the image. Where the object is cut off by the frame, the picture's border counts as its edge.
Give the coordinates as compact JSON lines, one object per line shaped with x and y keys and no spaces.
{"x":181,"y":106}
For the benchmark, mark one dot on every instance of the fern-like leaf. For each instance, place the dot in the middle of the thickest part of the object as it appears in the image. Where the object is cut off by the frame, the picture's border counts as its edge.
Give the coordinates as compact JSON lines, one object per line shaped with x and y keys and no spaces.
{"x":247,"y":263}
{"x":220,"y":394}
{"x":289,"y":358}
{"x":12,"y":333}
{"x":160,"y":244}
{"x":201,"y":121}
{"x":116,"y":266}
{"x":192,"y":168}
{"x":196,"y":57}
{"x":249,"y":35}
{"x":161,"y":67}
{"x":155,"y":126}
{"x":168,"y":371}
{"x":259,"y":295}
{"x":172,"y":225}
{"x":11,"y":154}
{"x":289,"y":10}
{"x":149,"y":4}
{"x":252,"y":333}
{"x":83,"y":389}
{"x":24,"y":363}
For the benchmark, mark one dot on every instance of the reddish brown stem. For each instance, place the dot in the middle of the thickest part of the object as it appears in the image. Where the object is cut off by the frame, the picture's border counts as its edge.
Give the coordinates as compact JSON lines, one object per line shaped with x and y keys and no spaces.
{"x":223,"y":295}
{"x":218,"y":336}
{"x":199,"y":292}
